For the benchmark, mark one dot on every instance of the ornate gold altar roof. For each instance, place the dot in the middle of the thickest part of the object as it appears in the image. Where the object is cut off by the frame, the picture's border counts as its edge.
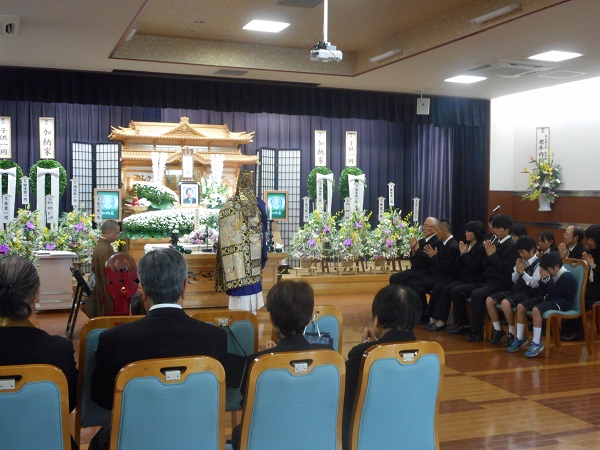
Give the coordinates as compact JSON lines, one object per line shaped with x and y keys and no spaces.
{"x":181,"y":134}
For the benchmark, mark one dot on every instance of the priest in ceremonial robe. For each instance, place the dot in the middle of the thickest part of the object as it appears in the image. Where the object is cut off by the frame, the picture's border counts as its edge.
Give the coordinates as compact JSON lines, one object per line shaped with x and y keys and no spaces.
{"x":242,"y":251}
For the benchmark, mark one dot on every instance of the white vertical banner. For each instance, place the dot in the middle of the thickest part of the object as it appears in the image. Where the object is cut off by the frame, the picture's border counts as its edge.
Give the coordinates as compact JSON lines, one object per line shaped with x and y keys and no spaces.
{"x":415,"y":211}
{"x":5,"y":138}
{"x":320,"y":148}
{"x":51,"y":216}
{"x":47,"y":138}
{"x":542,"y":145}
{"x":356,"y":189}
{"x":98,"y":209}
{"x":6,"y":215}
{"x":347,"y":208}
{"x":391,"y":194}
{"x":197,"y":219}
{"x":319,"y":194}
{"x":380,"y":208}
{"x":305,"y":208}
{"x":321,"y":180}
{"x":25,"y":190}
{"x":11,"y":184}
{"x":351,"y":148}
{"x":75,"y":193}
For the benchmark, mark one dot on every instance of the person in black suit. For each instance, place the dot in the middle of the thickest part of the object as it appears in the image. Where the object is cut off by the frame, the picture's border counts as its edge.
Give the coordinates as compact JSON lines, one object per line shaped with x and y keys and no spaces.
{"x":471,"y":264}
{"x":572,"y":245}
{"x":572,"y":330}
{"x":501,"y":258}
{"x":290,"y":305}
{"x":20,"y":341}
{"x":444,"y":259}
{"x":166,"y":331}
{"x":419,"y":261}
{"x":395,"y":311}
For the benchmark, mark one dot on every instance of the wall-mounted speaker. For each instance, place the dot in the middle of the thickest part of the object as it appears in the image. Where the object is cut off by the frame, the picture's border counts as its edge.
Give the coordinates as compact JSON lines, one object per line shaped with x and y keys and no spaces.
{"x":423,"y":106}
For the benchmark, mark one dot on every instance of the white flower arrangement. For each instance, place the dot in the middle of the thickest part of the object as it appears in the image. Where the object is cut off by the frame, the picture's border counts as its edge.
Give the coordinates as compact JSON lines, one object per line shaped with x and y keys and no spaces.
{"x":158,"y":224}
{"x":158,"y":196}
{"x":213,"y":193}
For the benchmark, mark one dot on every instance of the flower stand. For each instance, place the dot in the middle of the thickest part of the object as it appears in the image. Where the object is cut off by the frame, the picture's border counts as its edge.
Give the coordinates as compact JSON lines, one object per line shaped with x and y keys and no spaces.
{"x":380,"y":265}
{"x":307,"y":268}
{"x":346,"y":267}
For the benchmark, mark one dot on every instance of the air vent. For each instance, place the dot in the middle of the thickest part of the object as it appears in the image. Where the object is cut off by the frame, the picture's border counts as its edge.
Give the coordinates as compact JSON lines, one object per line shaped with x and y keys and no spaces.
{"x":508,"y":69}
{"x":561,"y":74}
{"x":9,"y":25}
{"x":231,"y":72}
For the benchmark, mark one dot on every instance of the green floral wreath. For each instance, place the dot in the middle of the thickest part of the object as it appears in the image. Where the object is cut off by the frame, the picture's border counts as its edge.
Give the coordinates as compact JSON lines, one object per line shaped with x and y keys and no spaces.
{"x":48,"y":164}
{"x":344,"y":188}
{"x":8,"y":164}
{"x":312,"y":181}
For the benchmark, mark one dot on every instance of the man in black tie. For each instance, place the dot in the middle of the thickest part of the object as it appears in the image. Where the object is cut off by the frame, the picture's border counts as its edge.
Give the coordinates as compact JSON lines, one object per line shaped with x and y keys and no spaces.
{"x":419,"y":261}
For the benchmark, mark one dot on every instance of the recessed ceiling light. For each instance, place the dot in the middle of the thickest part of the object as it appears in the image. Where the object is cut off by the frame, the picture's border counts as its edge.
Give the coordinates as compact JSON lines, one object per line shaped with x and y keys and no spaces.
{"x":466,"y":79}
{"x":266,"y":26}
{"x":189,"y":30}
{"x":200,"y":21}
{"x":555,"y":56}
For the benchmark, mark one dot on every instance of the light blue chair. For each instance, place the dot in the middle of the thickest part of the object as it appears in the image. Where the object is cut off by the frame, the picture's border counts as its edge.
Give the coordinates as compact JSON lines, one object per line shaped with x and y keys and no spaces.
{"x":242,"y":340}
{"x":169,"y":403}
{"x":294,"y":401}
{"x":88,"y":414}
{"x":34,"y":408}
{"x":397,"y":400}
{"x":580,"y":271}
{"x":329,"y":319}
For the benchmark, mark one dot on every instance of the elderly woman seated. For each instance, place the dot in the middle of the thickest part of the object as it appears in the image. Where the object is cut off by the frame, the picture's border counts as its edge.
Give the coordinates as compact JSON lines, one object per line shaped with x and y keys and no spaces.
{"x":21,"y":342}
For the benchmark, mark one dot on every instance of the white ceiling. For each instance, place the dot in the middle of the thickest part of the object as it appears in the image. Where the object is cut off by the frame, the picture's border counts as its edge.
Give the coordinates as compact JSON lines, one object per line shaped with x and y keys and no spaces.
{"x":436,"y":37}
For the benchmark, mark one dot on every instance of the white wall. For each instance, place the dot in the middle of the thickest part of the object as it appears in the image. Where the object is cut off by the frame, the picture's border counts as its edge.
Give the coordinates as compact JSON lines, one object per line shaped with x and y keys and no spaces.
{"x":572,"y":111}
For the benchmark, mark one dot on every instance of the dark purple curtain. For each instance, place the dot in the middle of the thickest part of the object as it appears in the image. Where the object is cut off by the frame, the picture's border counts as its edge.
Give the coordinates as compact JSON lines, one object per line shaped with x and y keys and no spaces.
{"x":426,"y":156}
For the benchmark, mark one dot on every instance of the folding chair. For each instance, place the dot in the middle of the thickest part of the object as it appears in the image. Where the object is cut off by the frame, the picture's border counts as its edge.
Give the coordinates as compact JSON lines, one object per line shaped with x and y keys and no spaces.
{"x":242,"y":340}
{"x":34,"y":408}
{"x":88,"y":413}
{"x":294,"y":400}
{"x":169,"y":403}
{"x":580,"y":271}
{"x":398,"y":397}
{"x":82,"y":288}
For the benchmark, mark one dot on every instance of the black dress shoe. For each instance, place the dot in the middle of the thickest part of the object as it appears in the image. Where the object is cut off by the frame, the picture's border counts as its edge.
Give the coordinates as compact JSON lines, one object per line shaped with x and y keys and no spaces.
{"x":459,"y":330}
{"x":475,"y":337}
{"x":570,"y":337}
{"x":496,"y":336}
{"x":434,"y":327}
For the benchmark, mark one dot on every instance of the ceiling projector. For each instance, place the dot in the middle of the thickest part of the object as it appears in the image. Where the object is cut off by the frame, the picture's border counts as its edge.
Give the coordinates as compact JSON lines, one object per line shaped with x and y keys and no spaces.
{"x":325,"y":52}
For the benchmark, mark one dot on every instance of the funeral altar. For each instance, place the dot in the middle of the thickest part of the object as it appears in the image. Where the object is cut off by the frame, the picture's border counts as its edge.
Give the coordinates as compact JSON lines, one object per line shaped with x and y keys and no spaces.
{"x":176,"y":177}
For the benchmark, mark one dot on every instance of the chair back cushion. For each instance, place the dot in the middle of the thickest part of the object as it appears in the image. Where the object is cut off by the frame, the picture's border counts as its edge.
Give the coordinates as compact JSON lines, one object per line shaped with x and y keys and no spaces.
{"x":92,"y":415}
{"x":295,"y":411}
{"x":181,"y":415}
{"x":243,"y":330}
{"x":400,"y":404}
{"x":329,"y":324}
{"x":578,"y":273}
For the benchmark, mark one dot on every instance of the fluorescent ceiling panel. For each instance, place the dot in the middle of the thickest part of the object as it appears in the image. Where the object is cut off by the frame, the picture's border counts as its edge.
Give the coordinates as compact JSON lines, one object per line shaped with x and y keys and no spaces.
{"x":266,"y":26}
{"x":465,"y":79}
{"x":555,"y":56}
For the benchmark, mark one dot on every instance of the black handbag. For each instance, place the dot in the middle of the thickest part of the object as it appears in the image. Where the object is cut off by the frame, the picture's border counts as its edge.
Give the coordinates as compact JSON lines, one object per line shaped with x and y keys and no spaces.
{"x":316,"y":337}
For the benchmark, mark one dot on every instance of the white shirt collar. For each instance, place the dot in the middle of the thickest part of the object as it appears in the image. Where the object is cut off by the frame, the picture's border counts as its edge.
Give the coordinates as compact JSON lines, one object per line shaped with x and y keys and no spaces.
{"x":427,"y":238}
{"x":531,"y":260}
{"x":505,"y":239}
{"x":560,"y":272}
{"x":446,"y":241}
{"x":166,"y":305}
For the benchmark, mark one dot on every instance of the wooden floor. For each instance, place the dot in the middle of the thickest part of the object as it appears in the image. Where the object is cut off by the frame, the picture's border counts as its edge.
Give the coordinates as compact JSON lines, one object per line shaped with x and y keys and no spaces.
{"x":489,"y":398}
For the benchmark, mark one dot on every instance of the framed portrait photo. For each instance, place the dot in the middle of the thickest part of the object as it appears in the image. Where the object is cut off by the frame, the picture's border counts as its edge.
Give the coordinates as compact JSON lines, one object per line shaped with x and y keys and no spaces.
{"x":276,"y":203}
{"x":109,"y":203}
{"x":189,"y":194}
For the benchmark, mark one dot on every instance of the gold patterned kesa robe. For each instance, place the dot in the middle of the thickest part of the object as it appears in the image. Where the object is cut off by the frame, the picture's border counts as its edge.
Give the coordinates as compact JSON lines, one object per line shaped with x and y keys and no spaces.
{"x":100,"y":302}
{"x":239,"y":261}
